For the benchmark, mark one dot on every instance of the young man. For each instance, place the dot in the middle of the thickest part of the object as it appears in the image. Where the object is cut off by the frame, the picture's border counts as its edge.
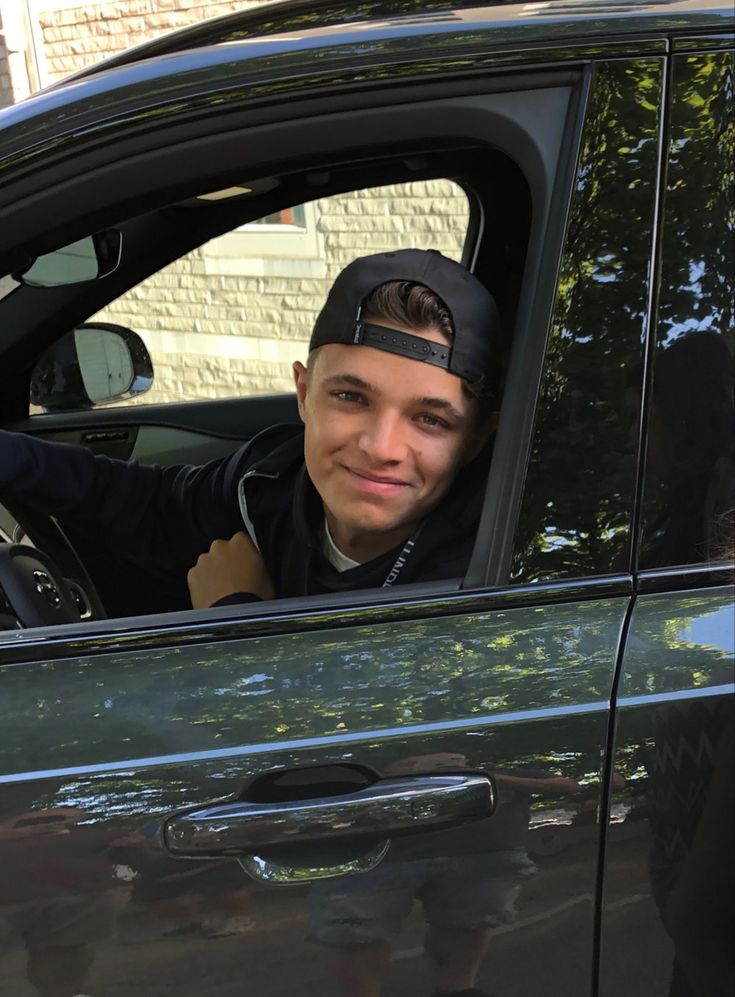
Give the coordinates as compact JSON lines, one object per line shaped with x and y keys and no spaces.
{"x":381,"y":485}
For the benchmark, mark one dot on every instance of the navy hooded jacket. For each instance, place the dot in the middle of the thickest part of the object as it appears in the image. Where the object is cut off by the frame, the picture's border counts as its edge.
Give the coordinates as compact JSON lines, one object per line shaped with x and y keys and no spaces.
{"x":168,"y":516}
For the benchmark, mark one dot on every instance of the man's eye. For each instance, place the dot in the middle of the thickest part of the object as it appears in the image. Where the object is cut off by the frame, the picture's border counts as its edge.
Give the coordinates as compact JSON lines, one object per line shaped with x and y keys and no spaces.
{"x":348,"y":396}
{"x":432,"y":421}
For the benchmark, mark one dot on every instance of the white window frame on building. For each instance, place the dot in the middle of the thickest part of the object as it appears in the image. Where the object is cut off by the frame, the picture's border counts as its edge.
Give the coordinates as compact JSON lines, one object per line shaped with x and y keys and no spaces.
{"x":270,"y":249}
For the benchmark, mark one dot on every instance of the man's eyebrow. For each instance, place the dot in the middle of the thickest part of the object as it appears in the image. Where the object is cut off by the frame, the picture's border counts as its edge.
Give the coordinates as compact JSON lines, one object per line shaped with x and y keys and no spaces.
{"x":439,"y":403}
{"x":354,"y":380}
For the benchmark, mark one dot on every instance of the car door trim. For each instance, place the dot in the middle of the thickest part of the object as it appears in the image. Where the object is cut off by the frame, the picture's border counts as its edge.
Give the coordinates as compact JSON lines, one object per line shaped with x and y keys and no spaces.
{"x":213,"y":77}
{"x":328,"y":611}
{"x":652,"y":317}
{"x":703,"y":43}
{"x":687,"y":576}
{"x":493,"y":551}
{"x":325,"y":741}
{"x":677,"y":695}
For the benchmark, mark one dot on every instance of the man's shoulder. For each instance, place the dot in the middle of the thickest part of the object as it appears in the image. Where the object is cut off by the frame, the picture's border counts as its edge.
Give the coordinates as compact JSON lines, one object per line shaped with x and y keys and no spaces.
{"x":270,"y":452}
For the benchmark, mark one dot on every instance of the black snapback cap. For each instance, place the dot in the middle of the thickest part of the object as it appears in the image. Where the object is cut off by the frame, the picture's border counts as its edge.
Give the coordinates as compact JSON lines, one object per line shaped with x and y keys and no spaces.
{"x":473,"y":353}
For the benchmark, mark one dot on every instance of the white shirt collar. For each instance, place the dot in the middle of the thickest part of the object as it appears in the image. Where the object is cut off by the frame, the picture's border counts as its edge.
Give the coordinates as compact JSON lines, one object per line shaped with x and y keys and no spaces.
{"x":333,"y":554}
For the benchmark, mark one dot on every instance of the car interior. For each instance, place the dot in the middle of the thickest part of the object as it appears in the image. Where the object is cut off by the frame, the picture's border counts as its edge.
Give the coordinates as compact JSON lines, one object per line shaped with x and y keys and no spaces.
{"x":509,"y":184}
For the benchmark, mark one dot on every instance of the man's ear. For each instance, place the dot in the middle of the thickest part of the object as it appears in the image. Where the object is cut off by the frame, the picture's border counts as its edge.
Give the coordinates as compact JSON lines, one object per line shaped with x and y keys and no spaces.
{"x":301,"y":380}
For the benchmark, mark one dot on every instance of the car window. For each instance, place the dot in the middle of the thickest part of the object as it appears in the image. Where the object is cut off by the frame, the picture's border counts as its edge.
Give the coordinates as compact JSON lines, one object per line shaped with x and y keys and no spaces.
{"x":229,"y":318}
{"x":689,"y":492}
{"x":577,"y":506}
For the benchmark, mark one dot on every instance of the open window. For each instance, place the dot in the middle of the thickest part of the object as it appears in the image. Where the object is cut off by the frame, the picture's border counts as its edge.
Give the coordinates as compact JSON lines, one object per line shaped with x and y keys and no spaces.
{"x":224,"y":319}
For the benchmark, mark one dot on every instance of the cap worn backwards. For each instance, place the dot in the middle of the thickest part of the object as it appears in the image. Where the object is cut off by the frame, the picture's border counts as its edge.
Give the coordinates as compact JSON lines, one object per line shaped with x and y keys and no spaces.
{"x":472,"y":354}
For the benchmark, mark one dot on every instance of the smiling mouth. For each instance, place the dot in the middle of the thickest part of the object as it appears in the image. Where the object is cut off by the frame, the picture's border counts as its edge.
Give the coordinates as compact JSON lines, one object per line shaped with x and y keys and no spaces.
{"x":375,"y":482}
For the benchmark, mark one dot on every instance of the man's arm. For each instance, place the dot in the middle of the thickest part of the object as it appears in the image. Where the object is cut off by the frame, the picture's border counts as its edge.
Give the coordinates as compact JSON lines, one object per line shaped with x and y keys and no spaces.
{"x":166,"y":515}
{"x":232,"y":571}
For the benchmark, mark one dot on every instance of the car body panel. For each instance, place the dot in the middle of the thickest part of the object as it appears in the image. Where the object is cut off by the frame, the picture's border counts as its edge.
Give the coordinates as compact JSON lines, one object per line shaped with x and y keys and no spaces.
{"x":415,"y":18}
{"x":111,"y":744}
{"x":669,"y":863}
{"x":208,"y":77}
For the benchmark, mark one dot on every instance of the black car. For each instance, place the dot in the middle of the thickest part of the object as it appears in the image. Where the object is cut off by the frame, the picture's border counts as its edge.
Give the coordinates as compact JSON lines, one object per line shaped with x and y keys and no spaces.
{"x":518,"y":782}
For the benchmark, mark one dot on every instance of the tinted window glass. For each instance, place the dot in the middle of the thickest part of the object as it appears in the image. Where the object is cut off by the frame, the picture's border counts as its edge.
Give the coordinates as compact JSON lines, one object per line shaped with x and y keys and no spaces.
{"x":689,"y":494}
{"x":576,"y":511}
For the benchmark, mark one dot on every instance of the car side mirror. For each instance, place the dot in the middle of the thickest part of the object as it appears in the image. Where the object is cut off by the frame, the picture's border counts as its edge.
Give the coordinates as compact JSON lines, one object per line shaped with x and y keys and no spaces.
{"x":94,"y":364}
{"x":88,"y":259}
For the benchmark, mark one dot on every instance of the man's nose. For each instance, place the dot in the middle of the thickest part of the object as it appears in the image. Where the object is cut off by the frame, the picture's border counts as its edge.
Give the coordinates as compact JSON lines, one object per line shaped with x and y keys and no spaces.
{"x":383,"y":439}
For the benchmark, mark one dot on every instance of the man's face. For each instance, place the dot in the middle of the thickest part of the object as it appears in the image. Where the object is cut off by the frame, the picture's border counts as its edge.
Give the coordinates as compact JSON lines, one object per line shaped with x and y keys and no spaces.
{"x":385,"y":437}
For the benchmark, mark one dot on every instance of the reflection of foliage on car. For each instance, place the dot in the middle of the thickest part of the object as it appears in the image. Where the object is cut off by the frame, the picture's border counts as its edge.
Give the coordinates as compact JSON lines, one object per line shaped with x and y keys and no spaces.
{"x":698,"y":277}
{"x":286,"y":693}
{"x":579,"y":491}
{"x":688,"y":495}
{"x":677,"y":643}
{"x":665,"y":654}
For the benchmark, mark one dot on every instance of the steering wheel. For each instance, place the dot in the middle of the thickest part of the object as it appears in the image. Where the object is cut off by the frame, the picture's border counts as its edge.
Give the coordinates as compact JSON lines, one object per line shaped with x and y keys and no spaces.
{"x":41,"y":588}
{"x":36,"y":592}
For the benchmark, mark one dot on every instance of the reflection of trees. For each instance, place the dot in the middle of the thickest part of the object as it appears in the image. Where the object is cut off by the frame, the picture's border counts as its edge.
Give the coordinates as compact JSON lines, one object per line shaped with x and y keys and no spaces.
{"x":698,"y":275}
{"x":578,"y":498}
{"x":276,"y":689}
{"x":571,"y":747}
{"x":689,"y":482}
{"x":663,"y":657}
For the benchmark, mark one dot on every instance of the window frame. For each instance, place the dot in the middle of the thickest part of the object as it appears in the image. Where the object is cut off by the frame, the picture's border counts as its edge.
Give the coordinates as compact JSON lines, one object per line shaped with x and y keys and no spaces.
{"x":656,"y":578}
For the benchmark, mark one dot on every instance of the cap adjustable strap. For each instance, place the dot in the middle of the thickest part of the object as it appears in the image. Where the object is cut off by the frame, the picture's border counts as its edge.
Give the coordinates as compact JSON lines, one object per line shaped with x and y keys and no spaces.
{"x":402,"y":343}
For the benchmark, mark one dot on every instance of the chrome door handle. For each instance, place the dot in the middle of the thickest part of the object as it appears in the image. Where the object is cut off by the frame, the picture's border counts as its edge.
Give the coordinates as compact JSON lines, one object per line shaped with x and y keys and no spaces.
{"x":384,"y":809}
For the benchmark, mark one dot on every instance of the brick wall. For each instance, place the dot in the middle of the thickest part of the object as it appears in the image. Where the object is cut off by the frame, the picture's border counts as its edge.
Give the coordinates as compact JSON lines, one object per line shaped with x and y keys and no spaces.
{"x":79,"y":35}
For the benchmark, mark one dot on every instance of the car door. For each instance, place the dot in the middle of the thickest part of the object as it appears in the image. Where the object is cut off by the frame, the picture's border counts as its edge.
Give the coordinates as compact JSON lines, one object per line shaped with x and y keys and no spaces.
{"x":296,"y":798}
{"x":222,"y":315}
{"x":669,"y":861}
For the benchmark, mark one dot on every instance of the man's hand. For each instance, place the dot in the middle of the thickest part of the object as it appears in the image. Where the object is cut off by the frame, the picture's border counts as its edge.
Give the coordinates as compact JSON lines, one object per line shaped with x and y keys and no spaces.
{"x":229,"y":566}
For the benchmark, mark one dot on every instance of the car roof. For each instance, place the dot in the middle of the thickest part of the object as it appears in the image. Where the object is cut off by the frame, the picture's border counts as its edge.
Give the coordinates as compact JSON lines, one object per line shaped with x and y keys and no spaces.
{"x":302,"y":16}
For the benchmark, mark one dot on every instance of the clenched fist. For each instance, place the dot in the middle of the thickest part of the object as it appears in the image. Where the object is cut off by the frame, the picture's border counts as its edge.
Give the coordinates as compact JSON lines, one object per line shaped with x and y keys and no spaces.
{"x":228,"y":567}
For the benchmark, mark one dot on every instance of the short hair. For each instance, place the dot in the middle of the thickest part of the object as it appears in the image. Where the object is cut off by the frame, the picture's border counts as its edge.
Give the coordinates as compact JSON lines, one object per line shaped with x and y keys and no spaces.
{"x":409,"y":304}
